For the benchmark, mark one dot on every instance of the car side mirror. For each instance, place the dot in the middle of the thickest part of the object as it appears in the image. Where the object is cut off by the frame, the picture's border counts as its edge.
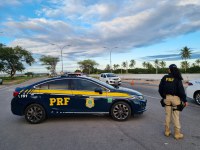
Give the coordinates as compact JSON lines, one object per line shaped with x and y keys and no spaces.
{"x":99,"y":90}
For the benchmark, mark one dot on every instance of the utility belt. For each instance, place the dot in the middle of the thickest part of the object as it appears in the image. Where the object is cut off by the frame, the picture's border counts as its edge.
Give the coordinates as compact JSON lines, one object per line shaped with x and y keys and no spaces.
{"x":172,"y":94}
{"x":179,"y":107}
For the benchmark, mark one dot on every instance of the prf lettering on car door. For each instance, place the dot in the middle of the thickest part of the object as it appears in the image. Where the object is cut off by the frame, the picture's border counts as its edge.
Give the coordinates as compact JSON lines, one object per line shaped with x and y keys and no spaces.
{"x":59,"y":101}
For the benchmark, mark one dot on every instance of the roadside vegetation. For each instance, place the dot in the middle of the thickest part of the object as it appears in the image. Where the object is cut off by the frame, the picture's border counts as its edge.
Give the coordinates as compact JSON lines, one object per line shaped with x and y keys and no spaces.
{"x":155,"y":67}
{"x":18,"y":79}
{"x":13,"y":59}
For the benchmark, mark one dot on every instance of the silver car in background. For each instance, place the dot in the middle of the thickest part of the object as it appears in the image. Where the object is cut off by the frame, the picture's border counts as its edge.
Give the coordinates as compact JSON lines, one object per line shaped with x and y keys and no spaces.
{"x":110,"y":78}
{"x":193,"y":90}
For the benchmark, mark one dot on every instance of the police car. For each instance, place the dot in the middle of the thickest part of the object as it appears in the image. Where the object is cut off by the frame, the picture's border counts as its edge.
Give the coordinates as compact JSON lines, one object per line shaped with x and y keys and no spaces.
{"x":75,"y":94}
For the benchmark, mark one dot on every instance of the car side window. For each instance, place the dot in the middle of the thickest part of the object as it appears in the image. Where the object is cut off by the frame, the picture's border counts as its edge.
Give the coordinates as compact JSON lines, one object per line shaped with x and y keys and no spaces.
{"x":43,"y":86}
{"x":56,"y":84}
{"x":101,"y":75}
{"x":80,"y":84}
{"x":104,"y":76}
{"x":59,"y":84}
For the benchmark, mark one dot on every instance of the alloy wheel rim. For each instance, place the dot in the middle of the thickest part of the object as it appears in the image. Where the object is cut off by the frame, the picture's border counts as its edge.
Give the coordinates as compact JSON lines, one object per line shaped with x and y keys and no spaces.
{"x":198,"y":98}
{"x":34,"y":114}
{"x":120,"y":112}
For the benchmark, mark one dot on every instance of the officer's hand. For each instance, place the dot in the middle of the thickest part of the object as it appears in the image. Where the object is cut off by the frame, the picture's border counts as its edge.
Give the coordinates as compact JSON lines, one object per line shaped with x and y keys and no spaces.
{"x":186,"y":104}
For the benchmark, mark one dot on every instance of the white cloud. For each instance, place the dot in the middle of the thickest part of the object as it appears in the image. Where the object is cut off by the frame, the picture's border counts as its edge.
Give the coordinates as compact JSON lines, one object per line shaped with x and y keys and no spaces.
{"x":189,"y":2}
{"x":9,"y":2}
{"x":88,"y":26}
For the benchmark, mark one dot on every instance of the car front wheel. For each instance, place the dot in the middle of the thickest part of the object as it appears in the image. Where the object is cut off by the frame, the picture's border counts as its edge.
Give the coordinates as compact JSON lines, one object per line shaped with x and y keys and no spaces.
{"x":120,"y":111}
{"x":35,"y":113}
{"x":197,"y":98}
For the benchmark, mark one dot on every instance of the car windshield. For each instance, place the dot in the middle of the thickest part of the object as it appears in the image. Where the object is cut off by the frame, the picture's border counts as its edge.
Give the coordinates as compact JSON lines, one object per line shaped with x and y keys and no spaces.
{"x":102,"y":83}
{"x":111,"y":75}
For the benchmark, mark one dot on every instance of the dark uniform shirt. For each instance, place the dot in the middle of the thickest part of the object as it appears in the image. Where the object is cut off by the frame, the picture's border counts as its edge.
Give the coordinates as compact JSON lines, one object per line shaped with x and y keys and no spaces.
{"x":172,"y":86}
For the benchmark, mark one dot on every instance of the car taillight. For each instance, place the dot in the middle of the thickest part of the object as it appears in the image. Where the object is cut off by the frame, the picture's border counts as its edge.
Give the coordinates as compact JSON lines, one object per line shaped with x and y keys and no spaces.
{"x":15,"y":93}
{"x":189,"y":83}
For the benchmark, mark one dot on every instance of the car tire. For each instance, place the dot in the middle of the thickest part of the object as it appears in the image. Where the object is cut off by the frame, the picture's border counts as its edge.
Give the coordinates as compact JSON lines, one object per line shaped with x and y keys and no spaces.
{"x":120,"y":111}
{"x":35,"y":113}
{"x":197,"y":97}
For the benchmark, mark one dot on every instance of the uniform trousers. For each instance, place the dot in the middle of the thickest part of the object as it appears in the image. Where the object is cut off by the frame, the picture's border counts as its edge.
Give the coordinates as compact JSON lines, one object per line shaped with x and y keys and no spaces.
{"x":170,"y":111}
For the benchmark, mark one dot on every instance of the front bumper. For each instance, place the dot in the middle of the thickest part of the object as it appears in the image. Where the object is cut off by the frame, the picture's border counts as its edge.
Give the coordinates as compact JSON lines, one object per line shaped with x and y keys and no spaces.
{"x":190,"y":92}
{"x":112,"y":82}
{"x":139,"y":106}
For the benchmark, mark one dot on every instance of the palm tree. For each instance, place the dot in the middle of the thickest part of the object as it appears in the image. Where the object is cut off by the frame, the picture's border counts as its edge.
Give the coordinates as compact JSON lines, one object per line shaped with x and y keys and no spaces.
{"x":163,"y":64}
{"x":185,"y":54}
{"x":149,"y":65}
{"x":185,"y":64}
{"x":124,"y":65}
{"x":107,"y":67}
{"x":193,"y":65}
{"x":198,"y":62}
{"x":115,"y":66}
{"x":156,"y":62}
{"x":132,"y":63}
{"x":144,"y":64}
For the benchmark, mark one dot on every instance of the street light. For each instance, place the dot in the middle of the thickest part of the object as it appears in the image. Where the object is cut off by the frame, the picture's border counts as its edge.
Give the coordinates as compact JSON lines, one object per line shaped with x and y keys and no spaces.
{"x":110,"y":49}
{"x":61,"y":52}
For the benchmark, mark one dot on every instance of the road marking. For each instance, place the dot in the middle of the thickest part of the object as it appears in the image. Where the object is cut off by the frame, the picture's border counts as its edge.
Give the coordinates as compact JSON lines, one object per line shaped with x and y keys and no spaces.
{"x":152,"y":97}
{"x":190,"y":105}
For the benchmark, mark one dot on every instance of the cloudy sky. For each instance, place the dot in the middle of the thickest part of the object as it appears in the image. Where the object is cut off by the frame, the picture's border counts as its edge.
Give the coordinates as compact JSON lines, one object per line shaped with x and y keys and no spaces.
{"x":143,"y":30}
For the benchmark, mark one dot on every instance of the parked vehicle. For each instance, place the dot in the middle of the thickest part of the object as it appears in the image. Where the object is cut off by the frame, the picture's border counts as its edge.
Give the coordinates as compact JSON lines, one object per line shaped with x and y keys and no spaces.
{"x":110,"y":78}
{"x":75,"y":94}
{"x":193,"y":90}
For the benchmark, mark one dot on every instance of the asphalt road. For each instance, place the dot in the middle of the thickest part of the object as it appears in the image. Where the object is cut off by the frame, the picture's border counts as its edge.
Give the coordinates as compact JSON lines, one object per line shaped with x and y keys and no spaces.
{"x":98,"y":132}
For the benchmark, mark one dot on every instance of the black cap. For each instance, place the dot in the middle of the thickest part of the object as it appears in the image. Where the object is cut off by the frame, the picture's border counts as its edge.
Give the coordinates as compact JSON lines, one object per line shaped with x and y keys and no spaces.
{"x":172,"y":66}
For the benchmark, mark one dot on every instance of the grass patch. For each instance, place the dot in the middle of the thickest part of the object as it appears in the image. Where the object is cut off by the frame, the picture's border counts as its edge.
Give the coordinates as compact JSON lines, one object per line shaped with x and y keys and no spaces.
{"x":17,"y":80}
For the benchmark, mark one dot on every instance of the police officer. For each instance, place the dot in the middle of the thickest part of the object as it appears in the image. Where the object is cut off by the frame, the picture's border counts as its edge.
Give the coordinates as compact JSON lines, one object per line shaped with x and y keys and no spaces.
{"x":172,"y":91}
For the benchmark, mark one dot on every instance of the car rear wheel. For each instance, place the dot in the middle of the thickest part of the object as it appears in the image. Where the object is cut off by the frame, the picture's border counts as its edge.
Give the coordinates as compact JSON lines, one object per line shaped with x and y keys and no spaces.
{"x":197,"y":98}
{"x":35,"y":113}
{"x":120,"y":111}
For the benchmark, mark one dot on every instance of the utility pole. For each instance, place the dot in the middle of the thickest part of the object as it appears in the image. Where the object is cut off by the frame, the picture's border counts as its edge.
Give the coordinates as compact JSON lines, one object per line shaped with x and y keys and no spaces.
{"x":110,"y":49}
{"x":61,"y":52}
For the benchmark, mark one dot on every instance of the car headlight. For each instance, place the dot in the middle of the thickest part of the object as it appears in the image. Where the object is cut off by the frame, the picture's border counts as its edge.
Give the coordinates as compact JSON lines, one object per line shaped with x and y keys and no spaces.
{"x":139,"y":97}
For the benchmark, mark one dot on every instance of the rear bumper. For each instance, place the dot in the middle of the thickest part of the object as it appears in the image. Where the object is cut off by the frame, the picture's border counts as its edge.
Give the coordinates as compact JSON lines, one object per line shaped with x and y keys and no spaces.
{"x":17,"y":108}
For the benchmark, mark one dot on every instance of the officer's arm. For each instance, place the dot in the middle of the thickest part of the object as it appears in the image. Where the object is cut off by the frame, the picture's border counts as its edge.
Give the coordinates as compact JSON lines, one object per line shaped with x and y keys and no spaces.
{"x":181,"y":91}
{"x":161,"y":88}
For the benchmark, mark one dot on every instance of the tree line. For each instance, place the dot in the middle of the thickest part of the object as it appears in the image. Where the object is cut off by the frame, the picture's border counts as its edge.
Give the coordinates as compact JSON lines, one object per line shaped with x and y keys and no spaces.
{"x":158,"y":66}
{"x":12,"y":59}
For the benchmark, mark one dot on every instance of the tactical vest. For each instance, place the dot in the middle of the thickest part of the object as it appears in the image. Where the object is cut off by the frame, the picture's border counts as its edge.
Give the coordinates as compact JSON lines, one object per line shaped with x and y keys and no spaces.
{"x":170,"y":85}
